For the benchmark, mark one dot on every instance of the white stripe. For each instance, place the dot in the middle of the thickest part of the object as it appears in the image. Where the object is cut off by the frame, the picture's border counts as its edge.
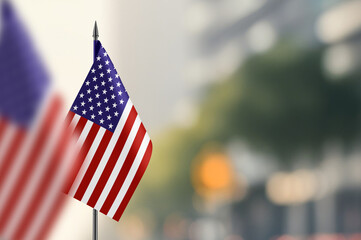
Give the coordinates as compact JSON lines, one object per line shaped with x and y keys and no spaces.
{"x":74,"y":122}
{"x":34,"y":180}
{"x":107,"y":152}
{"x":133,"y":170}
{"x":71,"y":145}
{"x":119,"y":163}
{"x":84,"y":133}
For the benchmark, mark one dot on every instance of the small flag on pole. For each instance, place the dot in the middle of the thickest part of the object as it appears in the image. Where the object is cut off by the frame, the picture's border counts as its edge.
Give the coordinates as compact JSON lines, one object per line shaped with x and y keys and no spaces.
{"x":32,"y":173}
{"x":115,"y":147}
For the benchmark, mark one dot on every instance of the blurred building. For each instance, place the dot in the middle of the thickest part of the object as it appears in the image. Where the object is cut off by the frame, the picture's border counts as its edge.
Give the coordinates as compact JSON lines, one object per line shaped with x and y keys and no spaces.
{"x":225,"y":33}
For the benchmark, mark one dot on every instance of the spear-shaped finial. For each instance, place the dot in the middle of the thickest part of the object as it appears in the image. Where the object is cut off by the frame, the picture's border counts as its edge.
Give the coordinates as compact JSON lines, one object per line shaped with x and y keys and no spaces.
{"x":95,"y":31}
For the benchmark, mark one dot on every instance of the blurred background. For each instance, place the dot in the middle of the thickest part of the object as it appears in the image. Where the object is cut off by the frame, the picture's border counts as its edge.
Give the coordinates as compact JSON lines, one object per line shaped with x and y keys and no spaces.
{"x":253,"y":107}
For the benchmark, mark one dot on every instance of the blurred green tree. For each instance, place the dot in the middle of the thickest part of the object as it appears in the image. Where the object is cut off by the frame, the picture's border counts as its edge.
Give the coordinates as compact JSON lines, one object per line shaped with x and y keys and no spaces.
{"x":280,"y":102}
{"x":283,"y":103}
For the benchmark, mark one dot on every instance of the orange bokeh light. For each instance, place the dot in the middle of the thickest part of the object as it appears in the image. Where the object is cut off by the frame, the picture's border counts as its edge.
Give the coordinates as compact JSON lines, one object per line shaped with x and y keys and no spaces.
{"x":215,"y":172}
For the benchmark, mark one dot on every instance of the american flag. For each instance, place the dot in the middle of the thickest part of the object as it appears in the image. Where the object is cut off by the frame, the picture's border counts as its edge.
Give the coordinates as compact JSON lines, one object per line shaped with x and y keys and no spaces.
{"x":115,"y":147}
{"x":32,"y":173}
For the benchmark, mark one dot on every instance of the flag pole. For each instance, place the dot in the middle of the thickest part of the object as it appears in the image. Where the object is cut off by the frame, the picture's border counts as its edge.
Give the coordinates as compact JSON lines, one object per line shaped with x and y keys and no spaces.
{"x":95,"y":51}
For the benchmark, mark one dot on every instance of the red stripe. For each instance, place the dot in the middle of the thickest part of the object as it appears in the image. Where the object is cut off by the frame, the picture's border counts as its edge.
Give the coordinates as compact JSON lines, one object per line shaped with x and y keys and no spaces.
{"x":124,"y":170}
{"x":93,"y":165}
{"x":79,"y":127}
{"x":82,"y":154}
{"x":30,"y":162}
{"x":135,"y":182}
{"x":3,"y":124}
{"x":68,"y":118}
{"x":11,"y":151}
{"x":113,"y":158}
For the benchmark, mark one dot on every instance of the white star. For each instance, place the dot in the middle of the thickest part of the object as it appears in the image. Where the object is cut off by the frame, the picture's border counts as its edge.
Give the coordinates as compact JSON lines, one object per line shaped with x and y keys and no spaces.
{"x":110,"y":79}
{"x":104,"y":91}
{"x":92,"y":116}
{"x":91,"y":108}
{"x":116,"y":114}
{"x":106,"y":100}
{"x":94,"y":79}
{"x":84,"y":112}
{"x":120,"y":93}
{"x":101,"y":121}
{"x":100,"y":66}
{"x":89,"y":91}
{"x":101,"y":74}
{"x":103,"y":83}
{"x":97,"y":95}
{"x":100,"y":112}
{"x":93,"y":70}
{"x":106,"y":62}
{"x":114,"y":105}
{"x":118,"y":84}
{"x":108,"y":70}
{"x":99,"y":103}
{"x":90,"y":99}
{"x":96,"y":87}
{"x":121,"y":101}
{"x":82,"y":103}
{"x":109,"y":117}
{"x":98,"y":58}
{"x":75,"y":107}
{"x":105,"y":54}
{"x":81,"y":95}
{"x":87,"y":83}
{"x":110,"y":126}
{"x":116,"y":76}
{"x":107,"y":109}
{"x":111,"y":88}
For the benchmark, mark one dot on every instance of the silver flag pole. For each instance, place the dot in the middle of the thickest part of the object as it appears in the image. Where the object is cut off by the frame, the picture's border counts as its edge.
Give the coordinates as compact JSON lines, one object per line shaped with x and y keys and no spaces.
{"x":95,"y":212}
{"x":95,"y":224}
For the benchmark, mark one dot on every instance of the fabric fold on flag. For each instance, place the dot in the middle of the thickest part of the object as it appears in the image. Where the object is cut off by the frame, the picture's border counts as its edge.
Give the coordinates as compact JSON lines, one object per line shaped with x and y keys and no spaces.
{"x":114,"y":147}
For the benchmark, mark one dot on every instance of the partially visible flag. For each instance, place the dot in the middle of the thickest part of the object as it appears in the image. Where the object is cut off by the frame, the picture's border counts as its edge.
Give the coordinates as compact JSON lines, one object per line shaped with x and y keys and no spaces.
{"x":31,"y":171}
{"x":116,"y":148}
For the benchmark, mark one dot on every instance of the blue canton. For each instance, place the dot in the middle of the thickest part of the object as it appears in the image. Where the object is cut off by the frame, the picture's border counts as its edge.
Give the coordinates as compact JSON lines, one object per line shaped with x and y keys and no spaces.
{"x":102,"y":98}
{"x":23,"y":79}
